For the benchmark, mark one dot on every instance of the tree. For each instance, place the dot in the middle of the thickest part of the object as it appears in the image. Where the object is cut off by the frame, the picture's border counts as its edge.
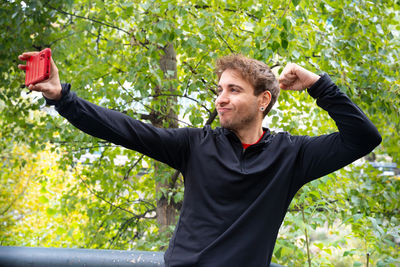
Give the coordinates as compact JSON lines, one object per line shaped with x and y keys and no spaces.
{"x":122,"y":55}
{"x":34,"y":208}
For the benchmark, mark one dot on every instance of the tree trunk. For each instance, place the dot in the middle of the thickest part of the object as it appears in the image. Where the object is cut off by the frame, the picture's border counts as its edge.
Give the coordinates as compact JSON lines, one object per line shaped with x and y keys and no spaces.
{"x":166,"y":209}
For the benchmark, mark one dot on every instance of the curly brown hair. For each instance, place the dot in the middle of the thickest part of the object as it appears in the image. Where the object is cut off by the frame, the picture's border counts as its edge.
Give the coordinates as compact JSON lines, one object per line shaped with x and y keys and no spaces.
{"x":257,"y":73}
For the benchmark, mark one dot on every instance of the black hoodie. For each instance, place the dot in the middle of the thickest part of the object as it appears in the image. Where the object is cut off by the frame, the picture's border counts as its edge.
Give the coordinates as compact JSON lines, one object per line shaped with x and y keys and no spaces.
{"x":235,"y":200}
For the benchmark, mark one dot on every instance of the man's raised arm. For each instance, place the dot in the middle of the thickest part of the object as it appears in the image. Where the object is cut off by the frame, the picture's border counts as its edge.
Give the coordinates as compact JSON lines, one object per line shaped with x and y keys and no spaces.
{"x":357,"y":135}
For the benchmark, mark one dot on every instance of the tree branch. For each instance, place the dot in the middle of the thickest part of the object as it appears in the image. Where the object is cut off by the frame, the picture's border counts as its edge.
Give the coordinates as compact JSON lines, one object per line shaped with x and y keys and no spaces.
{"x":229,"y":10}
{"x":98,"y":229}
{"x":184,"y":96}
{"x":275,"y":65}
{"x":126,"y":176}
{"x":136,"y":41}
{"x":92,"y":147}
{"x":174,"y":178}
{"x":150,"y":116}
{"x":139,"y":201}
{"x":11,"y":203}
{"x":107,"y":24}
{"x":222,"y":38}
{"x":108,"y":63}
{"x":98,"y":39}
{"x":307,"y":238}
{"x":193,"y":70}
{"x":212,"y":117}
{"x":284,"y":13}
{"x":111,"y":204}
{"x":122,"y":228}
{"x":64,"y":37}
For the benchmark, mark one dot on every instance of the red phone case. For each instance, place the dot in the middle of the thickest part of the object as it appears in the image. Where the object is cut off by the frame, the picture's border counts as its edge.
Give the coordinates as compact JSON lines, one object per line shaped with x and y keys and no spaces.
{"x":38,"y":67}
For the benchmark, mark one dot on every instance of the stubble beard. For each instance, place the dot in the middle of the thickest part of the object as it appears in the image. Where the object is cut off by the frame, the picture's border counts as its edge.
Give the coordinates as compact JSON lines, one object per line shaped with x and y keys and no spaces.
{"x":242,"y":123}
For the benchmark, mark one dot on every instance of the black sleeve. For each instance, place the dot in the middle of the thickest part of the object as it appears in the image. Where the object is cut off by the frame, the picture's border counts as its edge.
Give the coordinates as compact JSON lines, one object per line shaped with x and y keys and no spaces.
{"x":357,"y":135}
{"x":169,"y":146}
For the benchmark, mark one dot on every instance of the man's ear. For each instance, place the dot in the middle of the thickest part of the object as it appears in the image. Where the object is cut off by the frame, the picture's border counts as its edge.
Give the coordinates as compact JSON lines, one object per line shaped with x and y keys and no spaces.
{"x":265,"y":98}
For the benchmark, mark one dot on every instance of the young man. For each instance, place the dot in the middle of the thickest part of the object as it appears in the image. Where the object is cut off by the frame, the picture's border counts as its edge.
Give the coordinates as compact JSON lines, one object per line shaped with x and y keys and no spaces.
{"x":239,"y":179}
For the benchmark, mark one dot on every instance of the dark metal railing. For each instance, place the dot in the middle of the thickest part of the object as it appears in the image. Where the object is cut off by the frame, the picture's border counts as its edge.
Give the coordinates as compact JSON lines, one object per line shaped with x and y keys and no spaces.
{"x":63,"y":257}
{"x":60,"y":257}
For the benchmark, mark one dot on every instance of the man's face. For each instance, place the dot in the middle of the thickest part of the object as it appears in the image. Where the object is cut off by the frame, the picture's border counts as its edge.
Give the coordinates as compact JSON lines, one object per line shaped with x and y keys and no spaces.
{"x":236,"y":103}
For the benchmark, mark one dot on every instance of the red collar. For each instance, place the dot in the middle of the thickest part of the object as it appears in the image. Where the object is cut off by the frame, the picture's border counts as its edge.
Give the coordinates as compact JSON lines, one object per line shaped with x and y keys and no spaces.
{"x":245,"y":146}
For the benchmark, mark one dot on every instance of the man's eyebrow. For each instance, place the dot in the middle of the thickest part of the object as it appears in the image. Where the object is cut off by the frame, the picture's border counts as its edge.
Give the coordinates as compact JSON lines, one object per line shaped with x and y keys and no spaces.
{"x":231,"y":85}
{"x":235,"y":85}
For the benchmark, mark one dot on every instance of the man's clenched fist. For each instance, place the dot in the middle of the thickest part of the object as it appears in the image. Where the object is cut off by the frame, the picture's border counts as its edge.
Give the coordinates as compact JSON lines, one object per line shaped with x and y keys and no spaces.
{"x":294,"y":77}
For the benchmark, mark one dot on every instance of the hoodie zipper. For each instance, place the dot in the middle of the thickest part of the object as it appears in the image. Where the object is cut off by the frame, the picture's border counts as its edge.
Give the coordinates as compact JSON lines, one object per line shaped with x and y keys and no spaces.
{"x":242,"y":158}
{"x":243,"y":154}
{"x":243,"y":151}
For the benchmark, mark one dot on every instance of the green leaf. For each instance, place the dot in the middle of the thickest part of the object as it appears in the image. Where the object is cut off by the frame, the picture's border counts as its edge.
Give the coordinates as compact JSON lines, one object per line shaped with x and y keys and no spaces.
{"x":43,"y":199}
{"x":60,"y":231}
{"x":275,"y":119}
{"x":284,"y":43}
{"x":51,"y":211}
{"x":275,"y":46}
{"x":349,"y":253}
{"x":295,"y":2}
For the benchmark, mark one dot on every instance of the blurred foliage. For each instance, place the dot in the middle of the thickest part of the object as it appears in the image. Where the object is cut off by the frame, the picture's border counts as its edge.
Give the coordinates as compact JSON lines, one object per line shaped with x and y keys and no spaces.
{"x":32,"y":210}
{"x":110,"y":50}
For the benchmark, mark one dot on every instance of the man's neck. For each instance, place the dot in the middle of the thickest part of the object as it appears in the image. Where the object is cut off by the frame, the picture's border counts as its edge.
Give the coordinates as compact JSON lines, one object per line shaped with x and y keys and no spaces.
{"x":250,"y":135}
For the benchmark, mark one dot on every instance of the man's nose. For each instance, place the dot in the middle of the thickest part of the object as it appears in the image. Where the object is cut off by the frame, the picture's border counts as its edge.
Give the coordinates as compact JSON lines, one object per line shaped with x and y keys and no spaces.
{"x":222,"y":99}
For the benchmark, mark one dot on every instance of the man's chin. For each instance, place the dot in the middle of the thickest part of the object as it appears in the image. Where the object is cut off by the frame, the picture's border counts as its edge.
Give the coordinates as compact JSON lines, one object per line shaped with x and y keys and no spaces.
{"x":227,"y":125}
{"x":224,"y":124}
{"x":233,"y":125}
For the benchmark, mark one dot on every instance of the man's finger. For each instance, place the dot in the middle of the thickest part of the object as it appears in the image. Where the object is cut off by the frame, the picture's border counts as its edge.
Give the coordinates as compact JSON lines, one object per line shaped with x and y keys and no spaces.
{"x":288,"y":77}
{"x":36,"y":87}
{"x":22,"y":67}
{"x":43,"y":84}
{"x":39,"y":87}
{"x":27,"y":55}
{"x":21,"y":57}
{"x":287,"y":82}
{"x":53,"y":68}
{"x":282,"y":86}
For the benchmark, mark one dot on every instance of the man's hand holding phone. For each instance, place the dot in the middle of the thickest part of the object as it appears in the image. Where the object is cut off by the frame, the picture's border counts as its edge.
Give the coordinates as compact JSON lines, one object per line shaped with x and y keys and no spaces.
{"x":50,"y":87}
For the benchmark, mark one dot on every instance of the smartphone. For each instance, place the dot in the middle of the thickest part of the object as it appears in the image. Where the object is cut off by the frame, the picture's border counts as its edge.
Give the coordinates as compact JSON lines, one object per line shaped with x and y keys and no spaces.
{"x":38,"y":67}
